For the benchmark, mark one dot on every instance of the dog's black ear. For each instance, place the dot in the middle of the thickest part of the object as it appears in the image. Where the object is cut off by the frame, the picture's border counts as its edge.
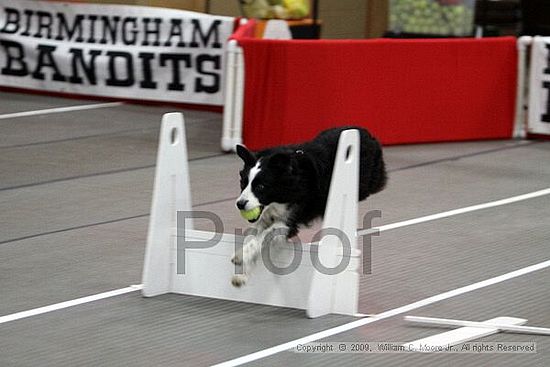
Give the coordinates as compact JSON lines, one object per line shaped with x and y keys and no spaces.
{"x":282,"y":162}
{"x":246,"y":155}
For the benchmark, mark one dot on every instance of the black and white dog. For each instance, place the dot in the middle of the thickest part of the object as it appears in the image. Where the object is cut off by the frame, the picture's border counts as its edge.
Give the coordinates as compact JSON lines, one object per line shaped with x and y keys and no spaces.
{"x":290,"y":185}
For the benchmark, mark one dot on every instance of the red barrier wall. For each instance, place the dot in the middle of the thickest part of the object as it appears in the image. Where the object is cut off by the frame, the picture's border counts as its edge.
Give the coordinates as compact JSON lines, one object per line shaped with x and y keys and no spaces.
{"x":403,"y":91}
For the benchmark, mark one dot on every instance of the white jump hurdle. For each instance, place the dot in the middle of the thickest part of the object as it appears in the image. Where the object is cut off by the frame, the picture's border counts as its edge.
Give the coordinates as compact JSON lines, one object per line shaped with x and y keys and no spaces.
{"x":208,"y":271}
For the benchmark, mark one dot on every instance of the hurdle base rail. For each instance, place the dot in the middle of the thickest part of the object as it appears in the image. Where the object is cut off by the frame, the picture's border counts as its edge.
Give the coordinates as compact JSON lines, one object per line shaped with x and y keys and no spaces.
{"x":502,"y":323}
{"x":207,"y":271}
{"x":460,"y":335}
{"x":467,"y":331}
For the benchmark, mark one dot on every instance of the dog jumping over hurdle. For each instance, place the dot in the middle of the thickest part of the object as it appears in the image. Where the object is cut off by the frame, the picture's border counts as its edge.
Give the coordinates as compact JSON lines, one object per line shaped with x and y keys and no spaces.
{"x":287,"y":187}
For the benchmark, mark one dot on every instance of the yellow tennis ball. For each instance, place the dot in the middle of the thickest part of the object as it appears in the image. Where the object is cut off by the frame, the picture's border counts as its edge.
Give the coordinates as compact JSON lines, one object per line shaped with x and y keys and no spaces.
{"x":251,"y":214}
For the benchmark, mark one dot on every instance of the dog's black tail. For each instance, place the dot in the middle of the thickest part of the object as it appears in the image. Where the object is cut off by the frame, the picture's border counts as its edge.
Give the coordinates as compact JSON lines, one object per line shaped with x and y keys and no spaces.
{"x":372,"y":170}
{"x":379,"y":178}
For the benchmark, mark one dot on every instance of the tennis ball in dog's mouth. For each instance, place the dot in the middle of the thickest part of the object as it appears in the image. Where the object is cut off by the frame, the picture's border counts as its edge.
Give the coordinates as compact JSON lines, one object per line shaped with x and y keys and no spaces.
{"x":252,"y":214}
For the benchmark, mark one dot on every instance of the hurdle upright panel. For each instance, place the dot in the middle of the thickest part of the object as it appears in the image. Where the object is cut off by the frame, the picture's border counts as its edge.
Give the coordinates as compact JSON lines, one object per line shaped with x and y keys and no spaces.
{"x":171,"y":194}
{"x":173,"y":266}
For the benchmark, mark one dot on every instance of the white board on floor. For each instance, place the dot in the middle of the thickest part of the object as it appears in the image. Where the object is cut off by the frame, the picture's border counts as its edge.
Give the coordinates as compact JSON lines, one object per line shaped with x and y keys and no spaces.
{"x":461,"y":335}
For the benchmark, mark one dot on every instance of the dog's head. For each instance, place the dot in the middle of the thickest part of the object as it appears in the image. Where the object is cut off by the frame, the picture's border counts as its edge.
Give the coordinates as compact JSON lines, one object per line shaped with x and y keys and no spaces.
{"x":273,"y":177}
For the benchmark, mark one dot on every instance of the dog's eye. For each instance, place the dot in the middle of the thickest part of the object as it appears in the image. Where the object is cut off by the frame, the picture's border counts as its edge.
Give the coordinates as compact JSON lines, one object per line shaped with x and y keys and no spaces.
{"x":260,"y":187}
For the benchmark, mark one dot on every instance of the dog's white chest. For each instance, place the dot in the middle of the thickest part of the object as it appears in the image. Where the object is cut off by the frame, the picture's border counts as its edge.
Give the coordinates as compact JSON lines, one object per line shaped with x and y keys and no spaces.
{"x":274,"y":212}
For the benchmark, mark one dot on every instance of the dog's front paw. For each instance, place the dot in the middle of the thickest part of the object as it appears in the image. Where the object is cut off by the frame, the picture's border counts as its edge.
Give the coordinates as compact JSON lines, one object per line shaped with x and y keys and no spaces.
{"x":237,"y":258}
{"x":239,"y":280}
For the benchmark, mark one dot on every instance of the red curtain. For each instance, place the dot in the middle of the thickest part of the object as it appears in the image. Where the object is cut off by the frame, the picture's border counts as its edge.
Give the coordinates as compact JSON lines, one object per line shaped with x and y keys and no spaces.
{"x":403,"y":91}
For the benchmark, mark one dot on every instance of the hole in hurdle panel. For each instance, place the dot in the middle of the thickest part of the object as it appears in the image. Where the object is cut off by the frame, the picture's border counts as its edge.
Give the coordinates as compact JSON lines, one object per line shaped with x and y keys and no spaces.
{"x":174,"y":136}
{"x":348,"y":153}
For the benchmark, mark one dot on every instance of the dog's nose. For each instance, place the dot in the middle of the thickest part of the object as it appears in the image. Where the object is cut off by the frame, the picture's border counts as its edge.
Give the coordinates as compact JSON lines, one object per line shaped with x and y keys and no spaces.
{"x":241,"y":204}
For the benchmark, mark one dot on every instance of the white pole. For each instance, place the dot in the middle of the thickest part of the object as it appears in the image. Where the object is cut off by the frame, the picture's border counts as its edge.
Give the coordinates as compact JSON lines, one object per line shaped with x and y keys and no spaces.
{"x":229,"y":103}
{"x":519,"y":123}
{"x":503,"y":327}
{"x":233,"y":104}
{"x":237,"y":133}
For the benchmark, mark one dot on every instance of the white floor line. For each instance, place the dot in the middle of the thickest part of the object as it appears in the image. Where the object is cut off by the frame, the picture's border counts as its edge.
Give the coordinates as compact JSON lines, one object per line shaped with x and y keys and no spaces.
{"x":381,"y":316}
{"x":59,"y":110}
{"x":450,"y":213}
{"x":66,"y":304}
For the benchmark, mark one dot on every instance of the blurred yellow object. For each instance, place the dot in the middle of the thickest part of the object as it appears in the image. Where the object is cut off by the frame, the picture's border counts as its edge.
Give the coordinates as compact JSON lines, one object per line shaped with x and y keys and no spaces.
{"x":297,"y":8}
{"x":256,"y":8}
{"x":275,"y":9}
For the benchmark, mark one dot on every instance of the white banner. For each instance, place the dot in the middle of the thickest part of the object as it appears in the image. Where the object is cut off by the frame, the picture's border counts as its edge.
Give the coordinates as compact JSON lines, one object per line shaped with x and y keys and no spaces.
{"x":113,"y":50}
{"x":539,"y":87}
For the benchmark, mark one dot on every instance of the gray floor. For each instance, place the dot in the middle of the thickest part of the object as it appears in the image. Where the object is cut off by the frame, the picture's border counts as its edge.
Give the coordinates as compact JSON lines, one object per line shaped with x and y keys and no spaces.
{"x":75,"y":191}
